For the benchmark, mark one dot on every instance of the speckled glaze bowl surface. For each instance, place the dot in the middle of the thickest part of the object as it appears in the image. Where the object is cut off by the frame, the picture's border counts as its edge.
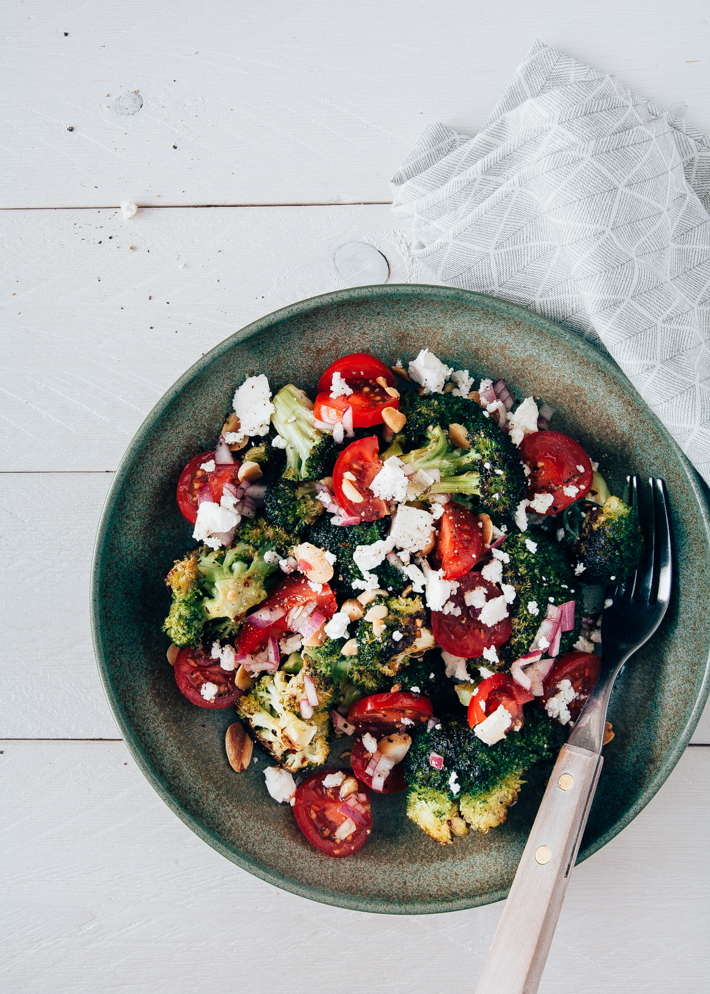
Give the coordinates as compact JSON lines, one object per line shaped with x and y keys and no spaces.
{"x":180,"y":748}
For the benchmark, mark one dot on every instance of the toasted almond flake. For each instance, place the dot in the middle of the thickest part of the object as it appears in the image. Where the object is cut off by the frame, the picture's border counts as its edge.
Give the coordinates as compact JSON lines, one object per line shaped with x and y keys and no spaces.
{"x":347,"y":475}
{"x":351,"y":493}
{"x":402,"y":373}
{"x":232,"y":425}
{"x":376,"y":613}
{"x":317,"y":638}
{"x":243,"y":680}
{"x":352,"y":608}
{"x":319,"y":570}
{"x":382,"y":382}
{"x":393,"y":418}
{"x":459,"y":436}
{"x":349,"y":784}
{"x":486,"y":528}
{"x":239,"y":747}
{"x":350,"y":648}
{"x":378,"y":627}
{"x":172,"y":654}
{"x":368,"y":596}
{"x":608,"y":733}
{"x":392,"y":391}
{"x":249,"y":472}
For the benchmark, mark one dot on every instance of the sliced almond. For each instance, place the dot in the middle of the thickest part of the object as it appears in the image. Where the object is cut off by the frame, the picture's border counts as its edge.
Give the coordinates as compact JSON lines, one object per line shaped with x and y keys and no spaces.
{"x":378,"y":628}
{"x":327,"y":481}
{"x":348,"y":786}
{"x":368,"y":596}
{"x":392,"y":391}
{"x":475,"y":395}
{"x":376,"y":613}
{"x":317,"y":638}
{"x":249,"y":472}
{"x":395,"y":746}
{"x":352,"y":608}
{"x":347,"y":475}
{"x":320,"y":571}
{"x":382,"y":382}
{"x":243,"y":680}
{"x":458,"y":436}
{"x":402,"y":373}
{"x":458,"y":825}
{"x":350,"y":648}
{"x":172,"y":654}
{"x":351,"y":493}
{"x":393,"y":418}
{"x":430,"y":543}
{"x":239,"y":747}
{"x":486,"y":528}
{"x":449,"y":388}
{"x":230,"y":425}
{"x":608,"y":733}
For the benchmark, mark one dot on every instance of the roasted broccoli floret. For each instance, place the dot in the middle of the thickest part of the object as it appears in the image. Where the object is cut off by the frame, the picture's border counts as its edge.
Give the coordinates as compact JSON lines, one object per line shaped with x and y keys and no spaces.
{"x":435,"y":812}
{"x":606,"y":540}
{"x":342,"y":542}
{"x":326,"y":668}
{"x":310,"y":452}
{"x":501,"y":485}
{"x":213,"y":590}
{"x":272,"y":460}
{"x":484,"y":779}
{"x":294,"y":743}
{"x":387,"y":642}
{"x":540,"y":578}
{"x":292,"y":505}
{"x":422,"y":674}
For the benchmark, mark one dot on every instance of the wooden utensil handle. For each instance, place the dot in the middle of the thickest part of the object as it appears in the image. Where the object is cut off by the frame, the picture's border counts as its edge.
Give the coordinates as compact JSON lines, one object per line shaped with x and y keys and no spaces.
{"x":522,"y":941}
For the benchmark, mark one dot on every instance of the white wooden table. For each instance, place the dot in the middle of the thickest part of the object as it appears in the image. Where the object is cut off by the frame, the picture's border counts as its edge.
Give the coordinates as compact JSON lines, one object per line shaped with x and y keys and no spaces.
{"x":256,"y":138}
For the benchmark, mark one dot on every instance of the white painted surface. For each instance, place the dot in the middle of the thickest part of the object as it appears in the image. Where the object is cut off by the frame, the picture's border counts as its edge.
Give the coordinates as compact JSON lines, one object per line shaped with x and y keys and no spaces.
{"x":277,"y":102}
{"x":101,"y":887}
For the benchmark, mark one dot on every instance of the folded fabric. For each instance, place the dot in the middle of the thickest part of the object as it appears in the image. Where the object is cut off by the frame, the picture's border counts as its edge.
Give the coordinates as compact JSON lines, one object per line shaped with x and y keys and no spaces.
{"x":585,"y":203}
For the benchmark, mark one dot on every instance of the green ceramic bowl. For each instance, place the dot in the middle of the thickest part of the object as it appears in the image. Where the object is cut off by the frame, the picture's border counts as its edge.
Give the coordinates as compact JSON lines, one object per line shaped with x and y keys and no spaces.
{"x":180,"y":747}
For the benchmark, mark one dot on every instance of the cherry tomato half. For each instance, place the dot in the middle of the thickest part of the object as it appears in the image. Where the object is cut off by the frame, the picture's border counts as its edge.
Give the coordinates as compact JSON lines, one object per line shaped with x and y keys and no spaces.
{"x":290,"y":592}
{"x":192,"y":478}
{"x":359,"y":460}
{"x":359,"y":761}
{"x":499,"y":689}
{"x":368,"y":399}
{"x":400,"y":708}
{"x":582,"y":671}
{"x":464,"y":634}
{"x":320,"y":813}
{"x":460,"y":541}
{"x":195,"y":671}
{"x":556,"y":462}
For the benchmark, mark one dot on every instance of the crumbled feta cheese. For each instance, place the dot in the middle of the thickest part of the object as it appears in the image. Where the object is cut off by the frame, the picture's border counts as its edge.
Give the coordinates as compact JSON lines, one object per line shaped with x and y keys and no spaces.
{"x":420,"y":482}
{"x":438,"y":590}
{"x":495,"y":726}
{"x":429,"y":372}
{"x":279,"y":783}
{"x":416,"y":577}
{"x":391,"y":482}
{"x":608,"y":602}
{"x":128,"y":209}
{"x":570,"y":490}
{"x":498,"y":472}
{"x":579,"y":569}
{"x":225,"y":654}
{"x":333,"y":779}
{"x":543,"y":643}
{"x":291,"y":644}
{"x":252,"y":404}
{"x":276,"y":441}
{"x":368,"y":557}
{"x":371,"y":582}
{"x":521,"y":518}
{"x":453,"y":786}
{"x":595,"y":466}
{"x":209,"y":691}
{"x":532,"y":546}
{"x":370,"y":742}
{"x":412,"y":528}
{"x":494,"y":611}
{"x":499,"y":554}
{"x":476,"y":597}
{"x":463,"y":382}
{"x":542,"y":502}
{"x":337,"y":627}
{"x":208,"y":466}
{"x":560,"y":534}
{"x":415,"y":690}
{"x":583,"y":645}
{"x":436,"y":511}
{"x":272,"y":557}
{"x":491,"y":655}
{"x":558,"y":706}
{"x":596,"y":635}
{"x":533,"y":608}
{"x":493,"y":571}
{"x":329,"y":556}
{"x":455,"y":666}
{"x":483,"y":387}
{"x":339,"y":387}
{"x":406,"y":721}
{"x":315,"y":587}
{"x":509,"y":592}
{"x":580,"y":468}
{"x":215,"y":524}
{"x":451,"y":608}
{"x":397,"y":636}
{"x":523,"y":421}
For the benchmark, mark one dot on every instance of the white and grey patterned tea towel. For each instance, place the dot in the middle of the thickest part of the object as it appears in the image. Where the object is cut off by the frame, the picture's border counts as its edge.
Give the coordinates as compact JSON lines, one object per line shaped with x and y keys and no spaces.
{"x":587,"y":204}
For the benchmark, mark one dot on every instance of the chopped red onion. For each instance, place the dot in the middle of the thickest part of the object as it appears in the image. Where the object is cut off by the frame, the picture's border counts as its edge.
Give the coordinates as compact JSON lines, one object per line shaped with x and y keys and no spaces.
{"x":436,"y":761}
{"x":554,"y":649}
{"x":503,"y":394}
{"x":548,"y":629}
{"x":311,"y":692}
{"x":378,"y":782}
{"x":353,"y":812}
{"x":537,"y":673}
{"x":311,"y":624}
{"x":340,"y":722}
{"x":498,"y":542}
{"x":225,"y":538}
{"x":488,"y":395}
{"x":254,"y":491}
{"x":346,"y":829}
{"x":347,"y":520}
{"x":222,"y":453}
{"x":567,"y":620}
{"x":229,"y":488}
{"x":374,"y":760}
{"x":521,"y":678}
{"x":265,"y":616}
{"x":204,"y":493}
{"x":260,"y":663}
{"x":338,"y":433}
{"x":272,"y":647}
{"x":287,"y":565}
{"x":305,"y":709}
{"x":432,"y":723}
{"x":542,"y":423}
{"x":322,"y":425}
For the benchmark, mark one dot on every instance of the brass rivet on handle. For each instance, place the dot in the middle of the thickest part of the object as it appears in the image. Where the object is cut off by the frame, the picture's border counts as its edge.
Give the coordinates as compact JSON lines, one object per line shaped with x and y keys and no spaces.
{"x":543,"y":855}
{"x":566,"y":781}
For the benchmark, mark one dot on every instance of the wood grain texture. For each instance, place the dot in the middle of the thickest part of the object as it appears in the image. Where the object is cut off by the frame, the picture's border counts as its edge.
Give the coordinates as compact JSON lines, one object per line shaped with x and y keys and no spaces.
{"x":275,"y":103}
{"x":103,"y":888}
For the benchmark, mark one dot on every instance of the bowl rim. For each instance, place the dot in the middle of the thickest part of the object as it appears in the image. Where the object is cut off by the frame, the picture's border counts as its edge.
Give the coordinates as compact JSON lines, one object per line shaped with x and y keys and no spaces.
{"x":571,"y":340}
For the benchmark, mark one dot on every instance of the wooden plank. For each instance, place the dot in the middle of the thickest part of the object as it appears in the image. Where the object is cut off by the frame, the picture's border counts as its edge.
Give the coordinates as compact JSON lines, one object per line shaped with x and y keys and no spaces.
{"x":100,"y":880}
{"x":276,"y":103}
{"x":102,"y":315}
{"x":67,"y":699}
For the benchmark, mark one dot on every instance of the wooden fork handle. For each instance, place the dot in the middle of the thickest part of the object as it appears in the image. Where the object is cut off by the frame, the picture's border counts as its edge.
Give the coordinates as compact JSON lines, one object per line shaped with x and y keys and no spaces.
{"x":521,"y":944}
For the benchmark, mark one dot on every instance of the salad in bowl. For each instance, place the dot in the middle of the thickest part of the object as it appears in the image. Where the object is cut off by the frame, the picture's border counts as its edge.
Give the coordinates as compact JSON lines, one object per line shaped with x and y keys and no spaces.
{"x":411,"y":558}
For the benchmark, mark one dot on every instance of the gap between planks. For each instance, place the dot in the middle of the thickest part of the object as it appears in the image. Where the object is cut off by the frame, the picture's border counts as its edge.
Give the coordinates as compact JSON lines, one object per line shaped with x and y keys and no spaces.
{"x":162,"y":207}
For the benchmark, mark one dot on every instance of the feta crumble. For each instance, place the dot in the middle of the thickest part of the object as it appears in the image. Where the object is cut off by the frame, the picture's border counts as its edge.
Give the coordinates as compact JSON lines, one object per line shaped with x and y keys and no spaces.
{"x":463,"y":382}
{"x":521,"y":518}
{"x":495,"y":726}
{"x":455,"y":666}
{"x":533,"y":608}
{"x":491,"y":655}
{"x":215,"y":524}
{"x":438,"y":590}
{"x":209,"y":691}
{"x":558,"y":706}
{"x":208,"y":466}
{"x":412,"y":528}
{"x":225,"y":654}
{"x":279,"y":783}
{"x":532,"y":546}
{"x":397,"y":636}
{"x":453,"y":786}
{"x":270,"y":556}
{"x":499,"y":554}
{"x":579,"y":569}
{"x":493,"y":571}
{"x":252,"y":404}
{"x":337,"y":627}
{"x":541,"y":502}
{"x":333,"y":779}
{"x":391,"y":482}
{"x":523,"y":421}
{"x":368,"y":557}
{"x":429,"y":371}
{"x":436,"y":511}
{"x":509,"y":592}
{"x":583,"y":645}
{"x":339,"y":387}
{"x":276,"y":441}
{"x":570,"y":490}
{"x":494,"y":611}
{"x":476,"y":597}
{"x":128,"y":209}
{"x":370,"y":742}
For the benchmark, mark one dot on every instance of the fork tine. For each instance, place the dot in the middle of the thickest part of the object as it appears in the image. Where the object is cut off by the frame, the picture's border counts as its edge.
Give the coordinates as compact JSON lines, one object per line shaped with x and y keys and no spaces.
{"x":647,"y":575}
{"x":662,"y":564}
{"x":632,"y":586}
{"x":632,"y":491}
